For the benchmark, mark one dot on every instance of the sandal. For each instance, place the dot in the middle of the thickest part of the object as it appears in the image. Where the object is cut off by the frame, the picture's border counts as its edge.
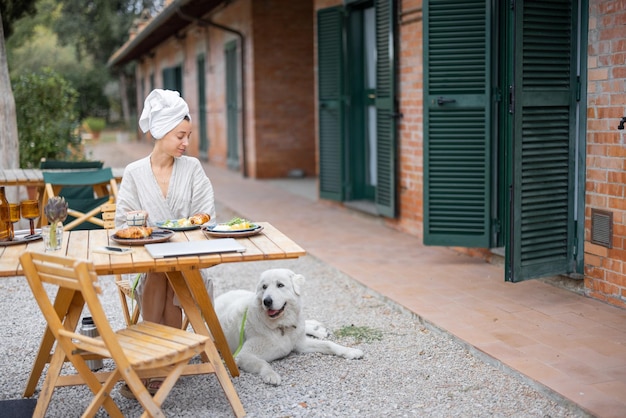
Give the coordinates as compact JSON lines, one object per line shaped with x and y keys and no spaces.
{"x":154,"y":384}
{"x":127,"y":393}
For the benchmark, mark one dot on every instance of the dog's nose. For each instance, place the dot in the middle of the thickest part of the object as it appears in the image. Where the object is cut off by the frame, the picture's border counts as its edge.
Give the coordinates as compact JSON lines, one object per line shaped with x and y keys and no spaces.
{"x":267,"y":302}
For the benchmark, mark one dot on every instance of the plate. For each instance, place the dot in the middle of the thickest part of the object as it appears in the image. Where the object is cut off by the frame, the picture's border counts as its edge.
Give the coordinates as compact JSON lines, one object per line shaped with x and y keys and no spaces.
{"x":22,"y":237}
{"x":177,"y":228}
{"x":209,"y":232}
{"x":158,"y":235}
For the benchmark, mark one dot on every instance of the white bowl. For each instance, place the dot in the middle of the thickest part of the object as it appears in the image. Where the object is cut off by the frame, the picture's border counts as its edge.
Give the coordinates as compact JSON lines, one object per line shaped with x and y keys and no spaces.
{"x":136,"y":218}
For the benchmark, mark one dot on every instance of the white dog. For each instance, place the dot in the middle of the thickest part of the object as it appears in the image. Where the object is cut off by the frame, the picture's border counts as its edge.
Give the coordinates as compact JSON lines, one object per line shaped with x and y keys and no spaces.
{"x":273,"y":325}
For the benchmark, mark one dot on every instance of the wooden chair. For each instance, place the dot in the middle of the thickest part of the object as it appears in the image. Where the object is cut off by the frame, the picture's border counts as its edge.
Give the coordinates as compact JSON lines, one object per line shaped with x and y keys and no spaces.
{"x":108,"y":215}
{"x":142,"y":350}
{"x":85,"y":191}
{"x":130,"y":308}
{"x":45,"y":164}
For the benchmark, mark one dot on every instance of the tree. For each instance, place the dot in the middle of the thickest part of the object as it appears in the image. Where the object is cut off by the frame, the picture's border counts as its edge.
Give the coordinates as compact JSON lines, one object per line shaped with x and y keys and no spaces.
{"x":46,"y":116}
{"x":98,"y":28}
{"x":10,"y":11}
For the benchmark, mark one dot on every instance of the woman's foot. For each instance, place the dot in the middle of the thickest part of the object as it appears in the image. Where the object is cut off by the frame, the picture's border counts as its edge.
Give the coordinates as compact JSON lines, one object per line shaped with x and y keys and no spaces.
{"x":128,"y":394}
{"x":154,"y":385}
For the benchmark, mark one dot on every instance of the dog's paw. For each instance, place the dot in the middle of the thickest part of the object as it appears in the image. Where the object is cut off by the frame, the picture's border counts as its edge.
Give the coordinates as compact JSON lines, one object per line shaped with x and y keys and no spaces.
{"x":270,"y":377}
{"x":315,"y":329}
{"x":353,"y":353}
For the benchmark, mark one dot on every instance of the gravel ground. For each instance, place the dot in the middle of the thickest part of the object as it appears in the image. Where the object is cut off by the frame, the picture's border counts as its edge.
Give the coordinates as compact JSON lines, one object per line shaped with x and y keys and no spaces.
{"x":409,"y":369}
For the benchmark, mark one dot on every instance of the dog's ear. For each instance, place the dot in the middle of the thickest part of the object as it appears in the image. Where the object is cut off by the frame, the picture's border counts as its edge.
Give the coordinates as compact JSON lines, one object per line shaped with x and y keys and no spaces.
{"x":297,"y":280}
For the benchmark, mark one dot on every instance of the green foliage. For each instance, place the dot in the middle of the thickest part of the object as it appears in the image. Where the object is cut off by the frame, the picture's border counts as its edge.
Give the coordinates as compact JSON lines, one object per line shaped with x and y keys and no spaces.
{"x":360,"y":333}
{"x":93,"y":124}
{"x":28,"y":52}
{"x":46,"y":116}
{"x":75,"y":38}
{"x":12,"y":10}
{"x":44,"y":50}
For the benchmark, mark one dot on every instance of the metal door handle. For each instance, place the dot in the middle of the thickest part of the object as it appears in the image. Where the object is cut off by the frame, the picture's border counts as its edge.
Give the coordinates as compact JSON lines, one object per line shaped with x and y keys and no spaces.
{"x":442,"y":101}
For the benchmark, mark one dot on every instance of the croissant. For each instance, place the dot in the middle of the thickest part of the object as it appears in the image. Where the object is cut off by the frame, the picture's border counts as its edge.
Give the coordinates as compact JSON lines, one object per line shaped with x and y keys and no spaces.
{"x":199,"y":218}
{"x":134,"y":232}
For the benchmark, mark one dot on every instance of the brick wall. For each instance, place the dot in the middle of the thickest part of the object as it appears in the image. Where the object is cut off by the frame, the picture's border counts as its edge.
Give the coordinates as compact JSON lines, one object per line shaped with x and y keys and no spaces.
{"x":410,"y":130}
{"x":284,"y":110}
{"x":236,"y":16}
{"x":277,"y":133}
{"x":605,"y":268}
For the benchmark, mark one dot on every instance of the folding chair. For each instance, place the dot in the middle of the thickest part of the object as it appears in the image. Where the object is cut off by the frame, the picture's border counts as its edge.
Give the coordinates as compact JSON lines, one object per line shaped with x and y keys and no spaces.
{"x":124,"y":288}
{"x":127,"y":300}
{"x":85,"y":192}
{"x":108,"y":215}
{"x":145,"y":349}
{"x":69,"y":165}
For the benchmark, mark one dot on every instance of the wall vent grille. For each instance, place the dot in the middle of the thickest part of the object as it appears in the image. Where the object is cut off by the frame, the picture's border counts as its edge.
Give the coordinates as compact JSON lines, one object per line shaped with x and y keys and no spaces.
{"x":601,"y":227}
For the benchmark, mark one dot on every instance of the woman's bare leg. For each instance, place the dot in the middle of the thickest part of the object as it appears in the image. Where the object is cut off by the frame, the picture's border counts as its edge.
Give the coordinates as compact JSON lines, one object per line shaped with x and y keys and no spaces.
{"x":172,"y":314}
{"x":157,"y":302}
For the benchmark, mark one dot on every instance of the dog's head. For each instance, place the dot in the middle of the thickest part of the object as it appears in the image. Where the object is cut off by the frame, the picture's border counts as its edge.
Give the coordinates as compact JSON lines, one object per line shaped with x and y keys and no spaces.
{"x":278,"y":292}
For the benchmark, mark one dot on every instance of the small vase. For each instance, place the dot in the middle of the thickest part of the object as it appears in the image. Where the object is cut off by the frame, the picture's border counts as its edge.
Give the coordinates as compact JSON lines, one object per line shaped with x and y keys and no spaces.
{"x":52,"y":236}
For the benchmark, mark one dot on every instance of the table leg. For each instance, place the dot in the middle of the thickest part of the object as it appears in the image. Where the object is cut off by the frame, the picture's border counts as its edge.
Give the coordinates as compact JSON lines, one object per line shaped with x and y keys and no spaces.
{"x":182,"y":284}
{"x":71,"y":318}
{"x":188,"y":305}
{"x":200,"y":294}
{"x":61,"y":306}
{"x":193,"y":285}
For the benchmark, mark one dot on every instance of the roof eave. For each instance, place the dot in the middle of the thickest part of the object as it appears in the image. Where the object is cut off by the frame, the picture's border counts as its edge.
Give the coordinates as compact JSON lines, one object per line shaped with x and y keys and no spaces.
{"x":158,"y":30}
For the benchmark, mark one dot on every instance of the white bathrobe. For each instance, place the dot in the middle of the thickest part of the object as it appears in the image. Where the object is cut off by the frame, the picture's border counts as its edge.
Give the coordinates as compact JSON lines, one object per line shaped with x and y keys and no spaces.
{"x":190,"y":192}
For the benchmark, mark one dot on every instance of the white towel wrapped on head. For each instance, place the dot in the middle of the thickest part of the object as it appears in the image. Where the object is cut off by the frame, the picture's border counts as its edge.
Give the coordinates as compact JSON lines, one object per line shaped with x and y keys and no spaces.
{"x":162,"y":111}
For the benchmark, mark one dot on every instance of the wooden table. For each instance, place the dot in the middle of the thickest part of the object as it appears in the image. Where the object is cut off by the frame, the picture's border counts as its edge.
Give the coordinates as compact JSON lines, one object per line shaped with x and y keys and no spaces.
{"x":33,"y":177}
{"x":184,"y":276}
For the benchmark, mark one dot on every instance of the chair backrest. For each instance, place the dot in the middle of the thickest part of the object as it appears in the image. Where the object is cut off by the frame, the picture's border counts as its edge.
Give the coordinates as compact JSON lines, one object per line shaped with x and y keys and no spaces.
{"x":78,"y":178}
{"x":108,"y":215}
{"x":75,"y":280}
{"x":85,"y":191}
{"x":69,"y":165}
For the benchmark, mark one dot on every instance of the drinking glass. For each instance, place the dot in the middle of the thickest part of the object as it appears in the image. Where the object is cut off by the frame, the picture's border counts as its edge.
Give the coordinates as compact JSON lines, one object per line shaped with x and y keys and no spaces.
{"x":30,"y":211}
{"x":14,"y":216}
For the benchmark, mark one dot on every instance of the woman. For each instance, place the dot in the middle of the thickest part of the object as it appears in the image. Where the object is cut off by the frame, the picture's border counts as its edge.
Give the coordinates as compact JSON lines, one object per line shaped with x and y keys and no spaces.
{"x":168,"y":185}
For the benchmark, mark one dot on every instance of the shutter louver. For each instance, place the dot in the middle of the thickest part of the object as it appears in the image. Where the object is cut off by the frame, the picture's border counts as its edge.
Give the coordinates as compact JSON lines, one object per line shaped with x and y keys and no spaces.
{"x":331,"y":113}
{"x":457,"y":148}
{"x":385,"y":110}
{"x":543,"y":148}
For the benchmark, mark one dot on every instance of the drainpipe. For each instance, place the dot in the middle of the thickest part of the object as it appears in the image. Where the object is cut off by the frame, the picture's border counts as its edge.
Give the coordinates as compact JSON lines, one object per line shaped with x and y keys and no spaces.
{"x":204,"y":22}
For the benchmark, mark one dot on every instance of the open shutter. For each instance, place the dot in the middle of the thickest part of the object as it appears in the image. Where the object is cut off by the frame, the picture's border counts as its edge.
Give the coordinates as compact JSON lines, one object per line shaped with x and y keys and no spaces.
{"x":331,"y":103}
{"x":169,"y":78}
{"x":542,"y":219}
{"x":457,"y":123}
{"x":203,"y":146}
{"x":232,"y":105}
{"x":385,"y":109}
{"x":173,"y":79}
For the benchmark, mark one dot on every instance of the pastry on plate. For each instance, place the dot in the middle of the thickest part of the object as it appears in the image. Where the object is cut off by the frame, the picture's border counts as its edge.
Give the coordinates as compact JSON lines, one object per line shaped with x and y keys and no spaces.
{"x":134,"y":232}
{"x":199,"y":218}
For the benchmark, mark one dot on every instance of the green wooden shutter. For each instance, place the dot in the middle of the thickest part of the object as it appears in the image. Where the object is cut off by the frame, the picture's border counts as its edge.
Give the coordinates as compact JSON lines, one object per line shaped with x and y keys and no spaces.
{"x":168,"y":78}
{"x":457,"y":121}
{"x":232,"y":105}
{"x":203,"y":146}
{"x":331,"y":103}
{"x":173,"y":79}
{"x":385,"y":108}
{"x":542,"y":241}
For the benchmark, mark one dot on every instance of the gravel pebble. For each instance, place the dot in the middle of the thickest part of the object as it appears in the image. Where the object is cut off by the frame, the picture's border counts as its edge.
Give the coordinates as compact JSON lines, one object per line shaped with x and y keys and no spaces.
{"x":409,"y":370}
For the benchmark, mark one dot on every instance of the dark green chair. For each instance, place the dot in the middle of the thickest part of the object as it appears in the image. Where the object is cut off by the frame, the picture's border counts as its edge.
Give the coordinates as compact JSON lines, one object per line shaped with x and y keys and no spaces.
{"x":70,"y":165}
{"x":75,"y":192}
{"x":85,"y":192}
